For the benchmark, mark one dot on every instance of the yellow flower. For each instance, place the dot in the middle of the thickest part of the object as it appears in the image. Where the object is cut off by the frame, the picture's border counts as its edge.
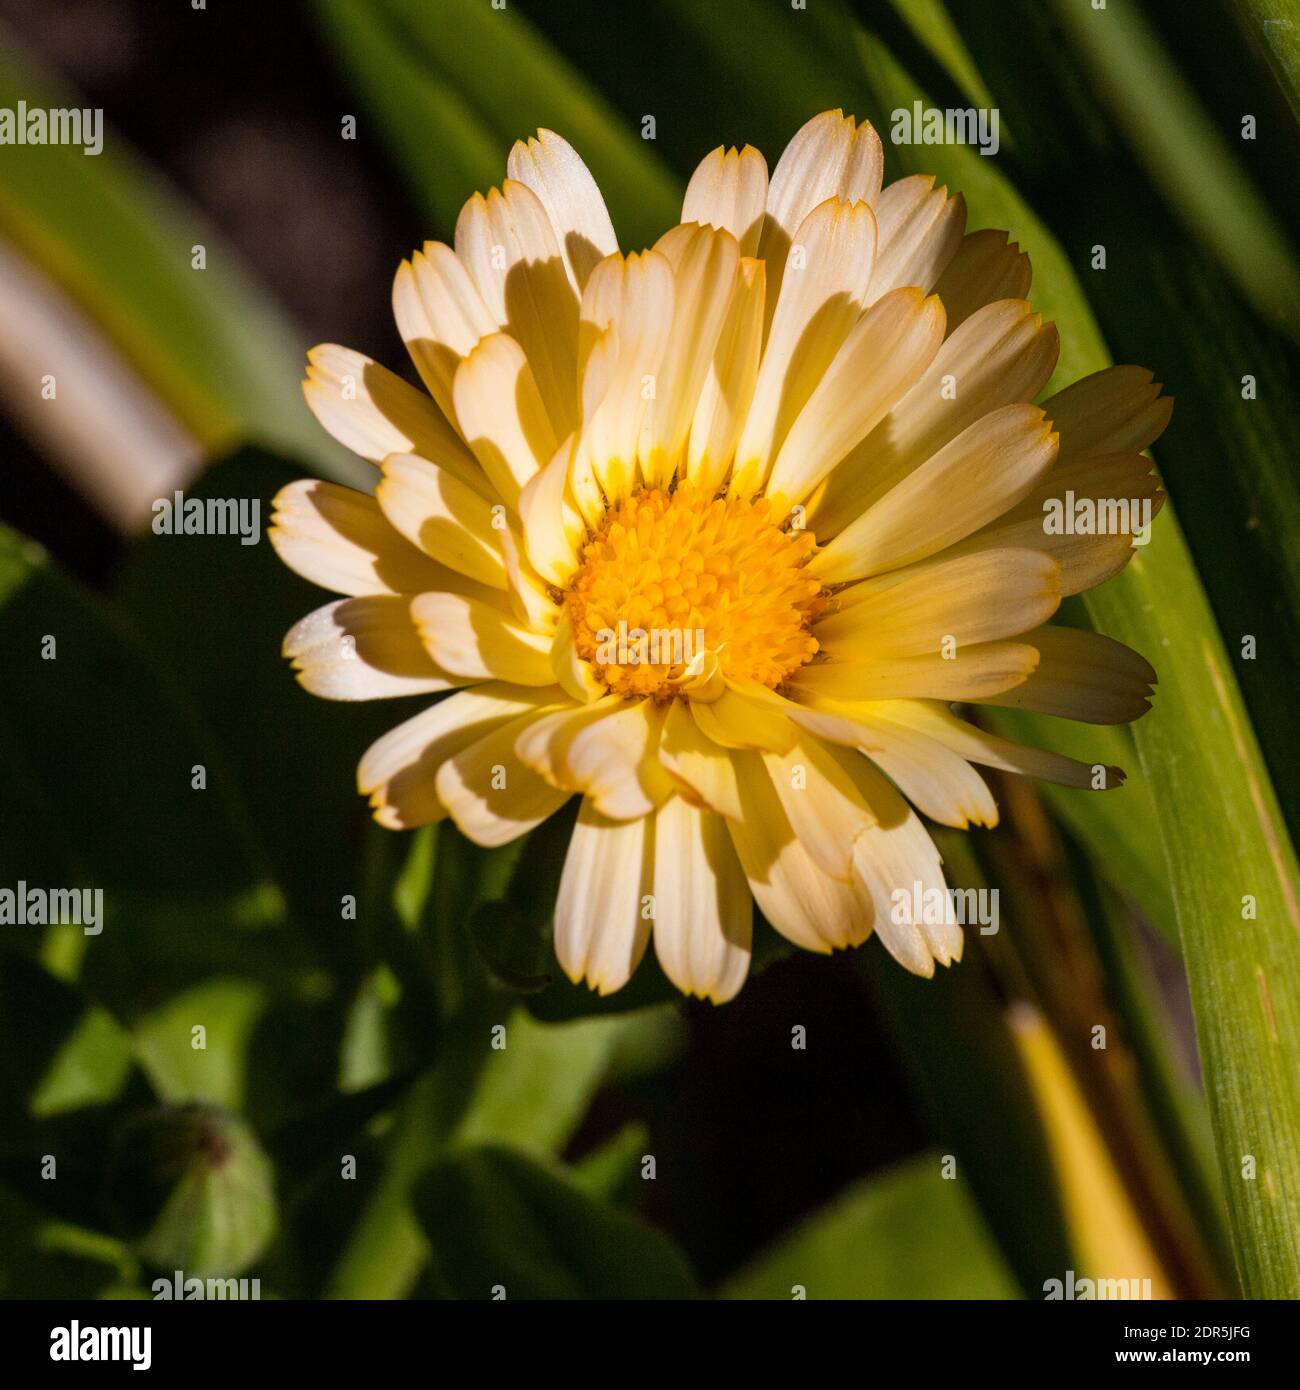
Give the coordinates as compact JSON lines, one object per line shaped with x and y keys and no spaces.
{"x":713,"y":536}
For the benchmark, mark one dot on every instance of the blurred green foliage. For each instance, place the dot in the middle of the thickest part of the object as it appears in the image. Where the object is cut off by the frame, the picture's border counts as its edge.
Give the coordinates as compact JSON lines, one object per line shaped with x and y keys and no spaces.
{"x":213,"y":348}
{"x":922,"y":1230}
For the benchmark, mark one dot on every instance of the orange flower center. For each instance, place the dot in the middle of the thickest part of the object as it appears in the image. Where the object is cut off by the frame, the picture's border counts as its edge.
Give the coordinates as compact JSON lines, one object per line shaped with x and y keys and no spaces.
{"x":670,"y":576}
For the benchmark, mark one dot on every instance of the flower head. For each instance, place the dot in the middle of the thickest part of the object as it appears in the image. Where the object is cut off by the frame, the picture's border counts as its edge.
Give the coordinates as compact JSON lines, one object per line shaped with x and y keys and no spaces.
{"x":713,"y":536}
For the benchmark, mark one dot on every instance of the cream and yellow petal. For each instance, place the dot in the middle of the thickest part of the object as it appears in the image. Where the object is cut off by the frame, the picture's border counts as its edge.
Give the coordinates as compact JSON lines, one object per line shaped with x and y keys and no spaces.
{"x":934,"y":779}
{"x":831,"y":156}
{"x":1084,"y":561}
{"x":600,"y":372}
{"x":703,"y":912}
{"x":450,"y":522}
{"x":987,"y":267}
{"x":728,"y":389}
{"x":609,"y":753}
{"x":980,"y":672}
{"x":897,"y":863}
{"x":471,"y":639}
{"x":938,"y":723}
{"x":599,"y":347}
{"x":363,"y":649}
{"x":822,"y":719}
{"x":1082,"y":675}
{"x":605,"y":908}
{"x":490,"y":793}
{"x":703,"y":770}
{"x":705,"y":263}
{"x":937,"y":780}
{"x":807,"y":906}
{"x":737,"y":719}
{"x":397,"y":771}
{"x":920,"y":229}
{"x":543,"y":745}
{"x":881,"y":359}
{"x":500,"y":412}
{"x":530,"y":595}
{"x":1085,"y":513}
{"x":942,"y":606}
{"x":507,"y":241}
{"x":633,"y":295}
{"x":340,"y":539}
{"x":701,"y":680}
{"x":1117,"y":410}
{"x":824,"y":291}
{"x":980,"y":475}
{"x":821,"y":804}
{"x":572,"y":671}
{"x":889,"y":871}
{"x":553,"y":169}
{"x":1001,"y":355}
{"x":728,"y":190}
{"x":373,"y":412}
{"x":552,"y":524}
{"x":440,"y":315}
{"x":1105,"y":479}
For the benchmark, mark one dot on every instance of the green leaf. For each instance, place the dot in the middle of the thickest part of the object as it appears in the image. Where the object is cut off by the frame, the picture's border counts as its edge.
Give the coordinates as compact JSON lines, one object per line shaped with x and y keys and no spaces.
{"x":1177,"y":1105}
{"x":97,"y":793}
{"x":207,"y":342}
{"x":58,"y":1052}
{"x":193,"y":1190}
{"x":1054,"y":945}
{"x":983,"y":1111}
{"x":295,"y":762}
{"x":1225,"y":843}
{"x":909,"y":1233}
{"x":1274,"y":28}
{"x":531,"y":1092}
{"x":612,"y":1170}
{"x":385,"y":1251}
{"x":499,"y":1220}
{"x":167,"y":1046}
{"x":433,"y":76}
{"x":1228,"y":451}
{"x":43,"y":1257}
{"x":1187,"y":159}
{"x":932,"y":25}
{"x":1131,"y":863}
{"x":1226,"y":847}
{"x":534,"y":1091}
{"x":67,"y":1083}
